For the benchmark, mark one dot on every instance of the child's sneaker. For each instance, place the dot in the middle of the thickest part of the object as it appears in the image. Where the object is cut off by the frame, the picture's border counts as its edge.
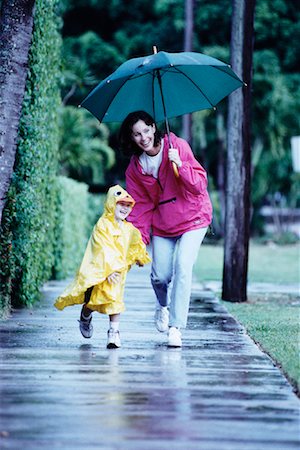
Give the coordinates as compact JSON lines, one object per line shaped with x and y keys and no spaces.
{"x":85,"y":325}
{"x":113,"y":339}
{"x":162,"y":318}
{"x":174,"y":338}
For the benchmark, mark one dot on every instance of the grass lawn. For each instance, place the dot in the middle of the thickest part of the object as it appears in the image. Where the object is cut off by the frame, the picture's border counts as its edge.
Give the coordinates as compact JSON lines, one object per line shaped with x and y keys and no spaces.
{"x":270,"y":318}
{"x":269,"y":264}
{"x":275,"y":327}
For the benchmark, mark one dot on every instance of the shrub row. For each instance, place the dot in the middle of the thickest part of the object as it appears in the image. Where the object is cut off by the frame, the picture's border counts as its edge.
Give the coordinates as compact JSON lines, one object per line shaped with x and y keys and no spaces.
{"x":27,"y":229}
{"x":46,"y":220}
{"x":76,"y":213}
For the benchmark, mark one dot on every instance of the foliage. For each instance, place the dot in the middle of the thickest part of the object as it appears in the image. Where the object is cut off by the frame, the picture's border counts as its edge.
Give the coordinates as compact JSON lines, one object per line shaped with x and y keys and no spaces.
{"x":95,"y":209}
{"x":72,"y":226}
{"x":212,"y":23}
{"x":120,"y":34}
{"x":84,"y":153}
{"x":28,"y":230}
{"x":275,"y":122}
{"x":7,"y":260}
{"x":277,"y":27}
{"x":75,"y":77}
{"x":283,"y":238}
{"x":76,"y":213}
{"x":275,"y":327}
{"x":88,"y":57}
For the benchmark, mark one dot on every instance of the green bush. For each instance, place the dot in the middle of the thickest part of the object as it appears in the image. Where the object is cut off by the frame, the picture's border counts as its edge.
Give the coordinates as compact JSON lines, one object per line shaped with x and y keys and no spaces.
{"x":95,"y":209}
{"x":7,"y":262}
{"x":76,"y":213}
{"x":84,"y":152}
{"x":71,"y":226}
{"x":284,"y":238}
{"x":27,"y":232}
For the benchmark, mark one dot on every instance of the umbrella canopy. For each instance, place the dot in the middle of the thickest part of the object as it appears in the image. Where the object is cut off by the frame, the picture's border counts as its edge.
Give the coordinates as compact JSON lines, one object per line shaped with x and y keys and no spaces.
{"x":164,"y":85}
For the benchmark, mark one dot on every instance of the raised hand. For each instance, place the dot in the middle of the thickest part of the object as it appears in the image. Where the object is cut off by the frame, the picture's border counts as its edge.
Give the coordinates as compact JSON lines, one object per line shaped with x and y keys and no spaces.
{"x":114,"y":278}
{"x":174,"y":156}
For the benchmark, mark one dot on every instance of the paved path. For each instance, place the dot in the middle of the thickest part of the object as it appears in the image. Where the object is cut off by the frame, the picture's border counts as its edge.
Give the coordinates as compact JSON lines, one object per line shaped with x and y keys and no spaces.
{"x":218,"y":392}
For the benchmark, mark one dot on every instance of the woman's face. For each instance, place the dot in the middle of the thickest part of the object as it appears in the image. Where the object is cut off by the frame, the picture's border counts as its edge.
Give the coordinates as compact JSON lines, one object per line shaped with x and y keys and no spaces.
{"x":143,"y":136}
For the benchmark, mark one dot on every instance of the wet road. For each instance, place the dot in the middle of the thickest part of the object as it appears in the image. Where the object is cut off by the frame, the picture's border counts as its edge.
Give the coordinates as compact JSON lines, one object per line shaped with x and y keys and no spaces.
{"x":219,"y":392}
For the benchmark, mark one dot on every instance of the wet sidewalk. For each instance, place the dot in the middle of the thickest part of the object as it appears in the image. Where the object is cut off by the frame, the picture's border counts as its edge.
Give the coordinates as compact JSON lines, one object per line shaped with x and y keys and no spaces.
{"x":219,"y":392}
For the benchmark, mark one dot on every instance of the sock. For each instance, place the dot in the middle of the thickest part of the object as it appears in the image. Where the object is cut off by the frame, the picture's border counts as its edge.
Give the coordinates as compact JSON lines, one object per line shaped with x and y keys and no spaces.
{"x":86,"y":317}
{"x":114,"y":325}
{"x":159,"y":306}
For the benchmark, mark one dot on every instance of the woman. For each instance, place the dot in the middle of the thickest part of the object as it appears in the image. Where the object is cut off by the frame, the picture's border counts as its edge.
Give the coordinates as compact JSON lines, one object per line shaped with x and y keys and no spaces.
{"x":176,"y":210}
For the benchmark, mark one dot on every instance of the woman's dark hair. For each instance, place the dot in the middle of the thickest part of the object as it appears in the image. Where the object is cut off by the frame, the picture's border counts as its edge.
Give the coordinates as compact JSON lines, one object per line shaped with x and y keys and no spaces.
{"x":128,"y":146}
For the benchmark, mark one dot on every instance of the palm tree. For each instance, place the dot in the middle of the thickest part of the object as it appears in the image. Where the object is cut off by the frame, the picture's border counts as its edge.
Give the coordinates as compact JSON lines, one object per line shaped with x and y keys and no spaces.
{"x":16,"y":24}
{"x":237,"y":218}
{"x":188,"y":47}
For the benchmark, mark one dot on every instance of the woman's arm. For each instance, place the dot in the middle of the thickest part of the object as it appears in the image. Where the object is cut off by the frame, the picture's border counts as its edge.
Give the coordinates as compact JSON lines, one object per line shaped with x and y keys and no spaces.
{"x":191,"y":174}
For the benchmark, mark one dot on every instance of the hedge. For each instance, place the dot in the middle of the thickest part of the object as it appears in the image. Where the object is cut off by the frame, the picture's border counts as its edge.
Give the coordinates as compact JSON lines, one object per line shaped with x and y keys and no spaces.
{"x":47,"y":220}
{"x":27,"y":229}
{"x":76,"y":213}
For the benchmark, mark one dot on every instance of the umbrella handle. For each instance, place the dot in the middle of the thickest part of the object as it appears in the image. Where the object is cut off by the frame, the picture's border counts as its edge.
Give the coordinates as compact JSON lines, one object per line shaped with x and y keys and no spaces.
{"x":175,"y":169}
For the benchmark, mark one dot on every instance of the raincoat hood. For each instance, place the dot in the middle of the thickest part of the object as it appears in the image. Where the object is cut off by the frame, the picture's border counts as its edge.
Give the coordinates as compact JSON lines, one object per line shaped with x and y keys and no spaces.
{"x":115,"y":195}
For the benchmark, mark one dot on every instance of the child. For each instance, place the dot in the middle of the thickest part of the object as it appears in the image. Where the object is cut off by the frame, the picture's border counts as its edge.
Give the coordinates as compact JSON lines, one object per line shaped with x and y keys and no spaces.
{"x":113,"y":247}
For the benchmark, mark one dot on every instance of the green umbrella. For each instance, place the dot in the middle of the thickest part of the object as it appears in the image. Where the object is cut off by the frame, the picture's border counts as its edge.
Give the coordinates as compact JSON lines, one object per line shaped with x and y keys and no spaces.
{"x":164,"y":85}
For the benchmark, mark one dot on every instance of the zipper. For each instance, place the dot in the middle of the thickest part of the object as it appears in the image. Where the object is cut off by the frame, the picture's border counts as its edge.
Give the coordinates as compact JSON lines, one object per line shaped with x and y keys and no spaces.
{"x":173,"y":199}
{"x":159,"y":183}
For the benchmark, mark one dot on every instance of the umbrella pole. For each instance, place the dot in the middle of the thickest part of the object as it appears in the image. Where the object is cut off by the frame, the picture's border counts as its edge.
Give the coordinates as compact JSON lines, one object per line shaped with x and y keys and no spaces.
{"x":175,"y":168}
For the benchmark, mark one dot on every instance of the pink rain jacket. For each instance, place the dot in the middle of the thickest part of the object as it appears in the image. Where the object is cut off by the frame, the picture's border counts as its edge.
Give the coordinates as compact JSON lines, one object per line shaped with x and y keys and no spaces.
{"x":169,"y":206}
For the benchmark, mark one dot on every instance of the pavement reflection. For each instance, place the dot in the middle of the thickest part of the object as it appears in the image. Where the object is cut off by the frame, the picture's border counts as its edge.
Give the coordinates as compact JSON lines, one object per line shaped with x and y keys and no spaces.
{"x":218,"y":392}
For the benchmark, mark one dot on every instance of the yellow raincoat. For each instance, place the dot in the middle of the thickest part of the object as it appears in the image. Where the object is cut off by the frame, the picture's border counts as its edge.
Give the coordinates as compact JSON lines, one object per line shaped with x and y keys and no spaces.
{"x":111,"y":248}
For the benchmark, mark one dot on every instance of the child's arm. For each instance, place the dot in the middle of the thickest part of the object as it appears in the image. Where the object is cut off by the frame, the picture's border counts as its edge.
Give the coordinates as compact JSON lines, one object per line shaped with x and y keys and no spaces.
{"x":137,"y":253}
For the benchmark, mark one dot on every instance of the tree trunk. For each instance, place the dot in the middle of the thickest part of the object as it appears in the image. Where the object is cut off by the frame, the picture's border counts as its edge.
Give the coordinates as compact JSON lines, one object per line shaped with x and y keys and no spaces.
{"x":16,"y":23}
{"x":188,"y":47}
{"x":221,"y":138}
{"x":237,"y":219}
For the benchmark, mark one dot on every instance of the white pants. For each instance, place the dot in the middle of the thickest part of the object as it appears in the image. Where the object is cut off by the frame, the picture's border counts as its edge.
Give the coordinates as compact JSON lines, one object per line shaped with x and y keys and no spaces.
{"x":176,"y":266}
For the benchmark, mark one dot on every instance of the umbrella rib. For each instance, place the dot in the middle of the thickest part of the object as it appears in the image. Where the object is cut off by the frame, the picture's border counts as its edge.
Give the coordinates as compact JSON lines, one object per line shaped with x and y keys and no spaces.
{"x":197,"y":87}
{"x":230,"y":74}
{"x":220,"y":68}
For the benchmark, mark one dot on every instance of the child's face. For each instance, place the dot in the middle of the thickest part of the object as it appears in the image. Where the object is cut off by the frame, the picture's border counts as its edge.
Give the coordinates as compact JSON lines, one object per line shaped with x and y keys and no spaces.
{"x":122,"y":210}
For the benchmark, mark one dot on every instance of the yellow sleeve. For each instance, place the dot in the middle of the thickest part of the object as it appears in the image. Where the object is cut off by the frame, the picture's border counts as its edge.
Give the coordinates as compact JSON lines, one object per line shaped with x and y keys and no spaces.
{"x":101,"y":257}
{"x":137,"y":251}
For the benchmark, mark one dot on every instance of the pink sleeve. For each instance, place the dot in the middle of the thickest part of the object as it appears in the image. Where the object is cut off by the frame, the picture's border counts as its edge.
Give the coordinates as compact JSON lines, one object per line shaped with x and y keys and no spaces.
{"x":142,"y":212}
{"x":191,"y":173}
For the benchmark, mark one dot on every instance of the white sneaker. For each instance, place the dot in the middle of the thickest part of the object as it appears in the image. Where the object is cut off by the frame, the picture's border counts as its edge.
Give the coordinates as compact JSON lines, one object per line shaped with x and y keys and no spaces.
{"x":113,"y":339}
{"x":162,"y":318}
{"x":174,"y":338}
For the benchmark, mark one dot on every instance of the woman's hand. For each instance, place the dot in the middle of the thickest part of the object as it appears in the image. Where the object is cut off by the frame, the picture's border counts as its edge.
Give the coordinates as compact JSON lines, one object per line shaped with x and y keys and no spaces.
{"x":114,"y":278}
{"x":174,"y":156}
